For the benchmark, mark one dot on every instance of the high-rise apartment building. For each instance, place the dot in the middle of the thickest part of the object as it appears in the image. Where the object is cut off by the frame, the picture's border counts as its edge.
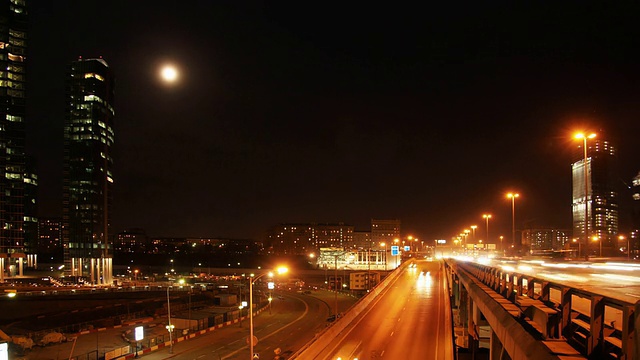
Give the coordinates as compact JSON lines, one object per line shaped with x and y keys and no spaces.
{"x":601,"y":196}
{"x":88,"y":178}
{"x":13,"y":46}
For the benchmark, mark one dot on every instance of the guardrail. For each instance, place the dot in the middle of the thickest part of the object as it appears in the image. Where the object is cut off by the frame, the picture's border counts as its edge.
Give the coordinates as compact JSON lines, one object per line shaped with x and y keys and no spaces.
{"x":596,"y":325}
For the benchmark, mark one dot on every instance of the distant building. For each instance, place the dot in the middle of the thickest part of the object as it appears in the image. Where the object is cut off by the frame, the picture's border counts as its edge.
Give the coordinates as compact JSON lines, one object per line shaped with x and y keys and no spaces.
{"x":544,"y":239}
{"x":332,"y":235}
{"x":384,"y":231}
{"x":290,"y":239}
{"x":303,"y":239}
{"x":49,"y":237}
{"x":362,"y":280}
{"x":601,"y":199}
{"x":88,"y":177}
{"x":132,"y":240}
{"x":13,"y":50}
{"x":362,"y":240}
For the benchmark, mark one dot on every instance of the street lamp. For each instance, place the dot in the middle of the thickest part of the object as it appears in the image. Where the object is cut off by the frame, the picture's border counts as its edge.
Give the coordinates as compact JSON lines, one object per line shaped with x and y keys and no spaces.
{"x":586,"y":188}
{"x":621,"y":238}
{"x":473,"y":233}
{"x":280,"y":270}
{"x":384,"y":246}
{"x":169,"y":326}
{"x":466,"y":236}
{"x":595,"y":238}
{"x":579,"y":245}
{"x":486,"y":217}
{"x":501,"y":248}
{"x":513,"y":197}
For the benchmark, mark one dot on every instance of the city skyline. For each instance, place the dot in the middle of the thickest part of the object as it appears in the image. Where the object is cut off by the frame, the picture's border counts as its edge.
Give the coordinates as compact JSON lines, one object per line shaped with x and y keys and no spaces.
{"x":334,"y":117}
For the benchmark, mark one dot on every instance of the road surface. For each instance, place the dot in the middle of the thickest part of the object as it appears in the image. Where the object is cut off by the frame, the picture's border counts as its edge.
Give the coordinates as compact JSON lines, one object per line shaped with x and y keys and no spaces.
{"x":409,"y":321}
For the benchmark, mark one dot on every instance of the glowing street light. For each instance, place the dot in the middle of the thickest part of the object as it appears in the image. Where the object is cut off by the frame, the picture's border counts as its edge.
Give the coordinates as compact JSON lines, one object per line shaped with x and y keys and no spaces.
{"x":595,"y":238}
{"x":169,"y":326}
{"x":513,"y":197}
{"x":252,"y":279}
{"x":487,"y":217}
{"x":584,"y":137}
{"x":621,"y":238}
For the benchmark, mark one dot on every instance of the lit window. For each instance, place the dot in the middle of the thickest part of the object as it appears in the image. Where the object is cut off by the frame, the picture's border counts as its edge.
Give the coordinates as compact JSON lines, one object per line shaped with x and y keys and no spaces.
{"x":14,"y":57}
{"x":93,"y":75}
{"x":14,"y":118}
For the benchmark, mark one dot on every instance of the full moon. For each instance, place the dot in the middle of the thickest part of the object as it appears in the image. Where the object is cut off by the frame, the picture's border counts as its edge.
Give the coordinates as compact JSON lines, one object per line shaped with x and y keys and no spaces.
{"x":169,"y":73}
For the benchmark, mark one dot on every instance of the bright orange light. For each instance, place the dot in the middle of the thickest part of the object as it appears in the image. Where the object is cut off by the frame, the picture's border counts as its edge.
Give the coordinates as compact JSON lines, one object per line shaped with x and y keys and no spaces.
{"x":169,"y":73}
{"x":582,"y":136}
{"x":512,"y":195}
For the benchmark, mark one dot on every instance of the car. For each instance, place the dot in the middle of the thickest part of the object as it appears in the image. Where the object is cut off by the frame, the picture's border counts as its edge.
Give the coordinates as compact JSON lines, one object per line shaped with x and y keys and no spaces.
{"x":331,"y":318}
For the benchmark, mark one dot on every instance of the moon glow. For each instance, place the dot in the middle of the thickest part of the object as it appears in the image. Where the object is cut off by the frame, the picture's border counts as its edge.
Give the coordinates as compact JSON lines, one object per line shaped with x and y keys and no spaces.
{"x":169,"y":73}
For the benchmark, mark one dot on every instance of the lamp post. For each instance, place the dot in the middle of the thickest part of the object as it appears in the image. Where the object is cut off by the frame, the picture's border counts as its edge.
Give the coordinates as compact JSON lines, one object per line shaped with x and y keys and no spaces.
{"x":486,"y":217}
{"x":621,"y":238}
{"x":473,"y":233}
{"x":513,"y":197}
{"x":169,"y":326}
{"x":281,"y":270}
{"x":384,"y":246}
{"x":586,"y":188}
{"x":466,"y":236}
{"x":501,"y":247}
{"x":579,"y":245}
{"x":595,"y":238}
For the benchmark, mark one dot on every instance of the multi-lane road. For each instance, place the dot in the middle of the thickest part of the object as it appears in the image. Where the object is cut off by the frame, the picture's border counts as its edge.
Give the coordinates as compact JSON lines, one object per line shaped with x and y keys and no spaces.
{"x":409,"y":321}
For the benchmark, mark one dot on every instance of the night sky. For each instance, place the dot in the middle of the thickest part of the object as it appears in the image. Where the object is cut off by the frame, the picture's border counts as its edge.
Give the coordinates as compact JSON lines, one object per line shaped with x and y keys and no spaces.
{"x":336,"y":112}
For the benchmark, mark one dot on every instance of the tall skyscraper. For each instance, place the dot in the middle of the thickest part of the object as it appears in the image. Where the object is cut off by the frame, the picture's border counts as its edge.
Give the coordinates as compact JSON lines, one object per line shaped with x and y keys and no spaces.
{"x":88,"y":178}
{"x":13,"y":37}
{"x":601,"y":197}
{"x":634,"y":241}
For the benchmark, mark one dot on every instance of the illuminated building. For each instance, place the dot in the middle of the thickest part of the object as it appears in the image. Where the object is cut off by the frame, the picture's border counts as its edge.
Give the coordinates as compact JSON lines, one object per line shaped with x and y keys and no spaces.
{"x":49,"y":237}
{"x":302,"y":239}
{"x":13,"y":37}
{"x":602,"y":197}
{"x":88,"y":179}
{"x":384,"y":231}
{"x":634,"y":242}
{"x":544,"y":239}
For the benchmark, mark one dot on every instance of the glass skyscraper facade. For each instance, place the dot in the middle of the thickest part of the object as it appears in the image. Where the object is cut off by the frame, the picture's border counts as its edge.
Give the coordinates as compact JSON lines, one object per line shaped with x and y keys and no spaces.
{"x":601,"y":197}
{"x":88,"y":178}
{"x":13,"y":51}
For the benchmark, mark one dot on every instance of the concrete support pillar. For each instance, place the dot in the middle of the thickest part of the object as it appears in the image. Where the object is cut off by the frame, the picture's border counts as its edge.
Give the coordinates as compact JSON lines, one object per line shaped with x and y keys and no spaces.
{"x":496,"y":351}
{"x":2,"y":265}
{"x":597,"y":319}
{"x":520,"y":286}
{"x":20,"y":266}
{"x":92,"y":272}
{"x":545,"y":292}
{"x":531,"y":286}
{"x":509,"y":294}
{"x":565,"y":308}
